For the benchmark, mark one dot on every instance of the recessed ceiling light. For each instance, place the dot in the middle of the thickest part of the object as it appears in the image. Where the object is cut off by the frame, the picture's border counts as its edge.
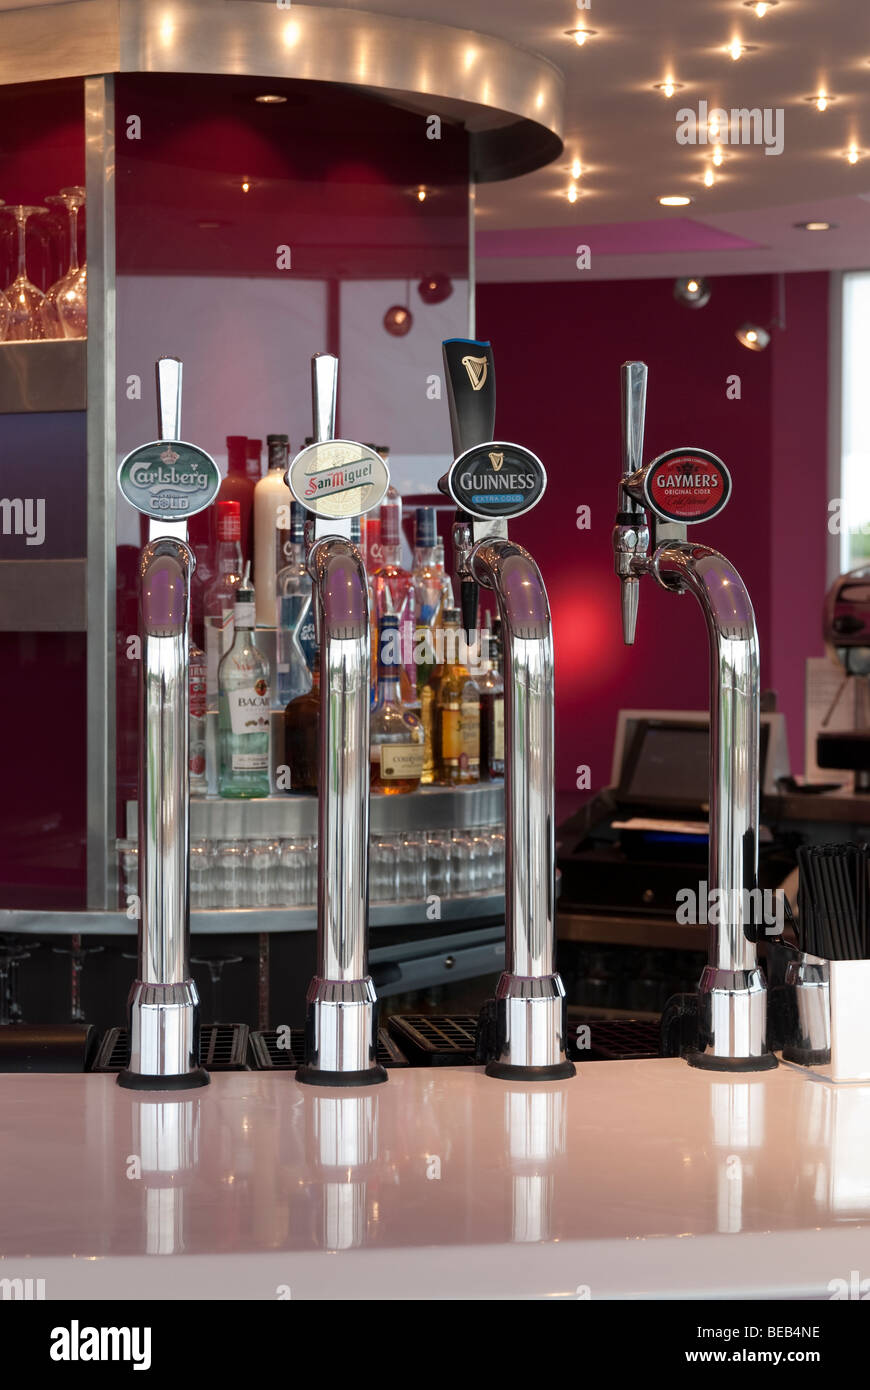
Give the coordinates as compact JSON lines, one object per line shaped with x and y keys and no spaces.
{"x":668,"y":87}
{"x":853,"y":154}
{"x":822,"y":100}
{"x":674,"y":200}
{"x":573,"y":193}
{"x":270,"y":99}
{"x":246,"y":185}
{"x":814,"y":226}
{"x":717,"y":156}
{"x":709,"y":178}
{"x":760,"y":6}
{"x":580,"y":35}
{"x":737,"y":48}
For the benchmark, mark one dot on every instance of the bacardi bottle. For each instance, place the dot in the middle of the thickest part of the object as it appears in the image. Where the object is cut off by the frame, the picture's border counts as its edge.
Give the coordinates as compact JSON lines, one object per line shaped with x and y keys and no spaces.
{"x":244,"y":704}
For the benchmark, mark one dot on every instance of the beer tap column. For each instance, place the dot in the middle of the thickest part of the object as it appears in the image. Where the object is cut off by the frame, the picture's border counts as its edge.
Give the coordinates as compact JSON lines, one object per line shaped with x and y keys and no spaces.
{"x":491,"y":481}
{"x":681,"y":487}
{"x":168,"y":481}
{"x":338,"y":480}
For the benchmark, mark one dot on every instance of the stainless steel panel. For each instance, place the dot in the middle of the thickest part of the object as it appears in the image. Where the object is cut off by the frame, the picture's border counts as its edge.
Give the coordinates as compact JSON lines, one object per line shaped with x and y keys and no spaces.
{"x":431,"y":808}
{"x":243,"y":921}
{"x":43,"y":596}
{"x":510,"y":98}
{"x":43,"y":376}
{"x":100,"y":183}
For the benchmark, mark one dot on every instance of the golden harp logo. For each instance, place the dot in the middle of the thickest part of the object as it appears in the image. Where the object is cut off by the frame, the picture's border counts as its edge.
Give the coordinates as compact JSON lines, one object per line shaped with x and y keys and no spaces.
{"x":496,"y":459}
{"x":476,"y":369}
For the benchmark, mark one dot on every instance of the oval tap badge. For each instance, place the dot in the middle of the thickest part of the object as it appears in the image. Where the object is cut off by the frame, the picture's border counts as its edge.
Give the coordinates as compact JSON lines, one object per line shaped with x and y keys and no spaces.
{"x":338,"y":478}
{"x":686,"y":485}
{"x":496,"y":480}
{"x":169,"y":480}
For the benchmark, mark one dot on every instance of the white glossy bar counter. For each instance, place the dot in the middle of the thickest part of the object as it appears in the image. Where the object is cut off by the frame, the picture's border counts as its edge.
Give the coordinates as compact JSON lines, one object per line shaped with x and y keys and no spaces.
{"x":633,"y":1180}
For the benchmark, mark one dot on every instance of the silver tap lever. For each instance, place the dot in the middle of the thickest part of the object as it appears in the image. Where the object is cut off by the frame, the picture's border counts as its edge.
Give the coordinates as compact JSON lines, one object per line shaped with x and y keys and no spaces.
{"x":631,"y":532}
{"x":168,"y":372}
{"x":324,"y":391}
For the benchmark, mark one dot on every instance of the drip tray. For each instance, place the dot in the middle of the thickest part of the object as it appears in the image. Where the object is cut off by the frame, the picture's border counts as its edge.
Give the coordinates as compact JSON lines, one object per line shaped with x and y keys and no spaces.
{"x":436,"y":1040}
{"x":222,"y":1047}
{"x":271,"y":1052}
{"x":615,"y":1040}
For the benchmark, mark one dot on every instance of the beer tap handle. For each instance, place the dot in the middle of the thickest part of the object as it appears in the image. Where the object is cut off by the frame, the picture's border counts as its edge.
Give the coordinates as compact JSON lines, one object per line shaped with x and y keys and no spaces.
{"x":324,"y":388}
{"x":470,"y":374}
{"x":169,"y":397}
{"x":634,"y":379}
{"x":631,"y":532}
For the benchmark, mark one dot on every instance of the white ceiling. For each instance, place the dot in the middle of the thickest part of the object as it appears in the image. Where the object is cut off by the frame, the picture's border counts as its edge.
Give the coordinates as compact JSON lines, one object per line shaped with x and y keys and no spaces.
{"x":625,"y":133}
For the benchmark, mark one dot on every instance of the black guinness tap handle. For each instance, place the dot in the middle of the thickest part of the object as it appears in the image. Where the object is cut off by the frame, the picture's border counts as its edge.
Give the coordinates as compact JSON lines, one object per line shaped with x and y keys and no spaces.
{"x":470,"y":391}
{"x":470,"y":374}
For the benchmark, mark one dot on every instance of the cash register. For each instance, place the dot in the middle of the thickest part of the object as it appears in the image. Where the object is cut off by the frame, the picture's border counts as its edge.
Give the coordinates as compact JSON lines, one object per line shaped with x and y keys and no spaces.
{"x":629,"y":850}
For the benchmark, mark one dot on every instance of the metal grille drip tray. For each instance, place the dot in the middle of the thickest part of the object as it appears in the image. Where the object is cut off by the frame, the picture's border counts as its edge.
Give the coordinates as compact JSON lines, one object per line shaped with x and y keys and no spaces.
{"x":436,"y":1040}
{"x":222,"y":1047}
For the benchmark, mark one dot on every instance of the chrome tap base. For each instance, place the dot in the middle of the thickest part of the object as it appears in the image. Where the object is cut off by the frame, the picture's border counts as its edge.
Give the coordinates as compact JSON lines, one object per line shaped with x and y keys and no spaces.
{"x":732,"y":1022}
{"x":530,"y":1030}
{"x":340,"y":1032}
{"x":164,"y":1038}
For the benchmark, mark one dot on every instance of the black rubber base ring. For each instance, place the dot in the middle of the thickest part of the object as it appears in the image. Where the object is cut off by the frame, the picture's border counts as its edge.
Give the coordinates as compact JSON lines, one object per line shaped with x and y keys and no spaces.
{"x":314,"y":1076}
{"x":707,"y":1061}
{"x":503,"y":1071}
{"x":141,"y":1081}
{"x":806,"y":1057}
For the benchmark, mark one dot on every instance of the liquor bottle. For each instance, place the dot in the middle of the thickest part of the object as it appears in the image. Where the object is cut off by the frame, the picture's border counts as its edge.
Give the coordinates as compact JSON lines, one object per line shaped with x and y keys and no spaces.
{"x":428,"y":681}
{"x":490,"y":684}
{"x":238,"y":486}
{"x":296,"y":640}
{"x":447,"y":600}
{"x":220,"y":597}
{"x":244,"y":704}
{"x":198,"y":694}
{"x":302,"y":735}
{"x":271,"y":529}
{"x":396,"y":740}
{"x":393,"y":591}
{"x":426,"y":584}
{"x":457,"y":712}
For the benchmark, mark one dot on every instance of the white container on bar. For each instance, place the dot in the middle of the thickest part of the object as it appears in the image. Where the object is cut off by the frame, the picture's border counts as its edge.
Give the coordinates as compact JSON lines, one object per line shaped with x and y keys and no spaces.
{"x":850,"y":1020}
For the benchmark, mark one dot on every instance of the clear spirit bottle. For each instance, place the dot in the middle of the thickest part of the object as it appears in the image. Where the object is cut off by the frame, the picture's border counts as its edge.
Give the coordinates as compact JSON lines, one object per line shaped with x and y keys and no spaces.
{"x":243,"y":706}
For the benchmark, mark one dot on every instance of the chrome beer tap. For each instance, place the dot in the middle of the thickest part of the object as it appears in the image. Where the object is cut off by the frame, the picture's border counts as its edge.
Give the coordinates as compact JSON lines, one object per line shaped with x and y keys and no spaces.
{"x":491,"y":481}
{"x":678,"y":488}
{"x":338,"y":480}
{"x":167,"y":481}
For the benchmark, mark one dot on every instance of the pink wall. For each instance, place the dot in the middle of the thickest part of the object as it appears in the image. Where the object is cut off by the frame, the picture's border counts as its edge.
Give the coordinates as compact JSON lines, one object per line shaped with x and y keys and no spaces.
{"x":558,"y":349}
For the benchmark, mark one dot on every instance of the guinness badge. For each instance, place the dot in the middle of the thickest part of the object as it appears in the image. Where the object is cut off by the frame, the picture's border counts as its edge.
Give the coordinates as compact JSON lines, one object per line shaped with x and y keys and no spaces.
{"x":496,"y":481}
{"x":476,"y":367}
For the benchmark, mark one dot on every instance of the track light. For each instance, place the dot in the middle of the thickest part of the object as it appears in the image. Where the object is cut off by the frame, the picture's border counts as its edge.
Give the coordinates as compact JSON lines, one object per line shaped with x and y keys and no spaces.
{"x":693,"y":291}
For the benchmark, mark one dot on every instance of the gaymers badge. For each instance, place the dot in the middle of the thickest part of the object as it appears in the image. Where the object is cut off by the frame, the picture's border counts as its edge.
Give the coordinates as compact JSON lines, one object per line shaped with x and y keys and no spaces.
{"x":686,"y":485}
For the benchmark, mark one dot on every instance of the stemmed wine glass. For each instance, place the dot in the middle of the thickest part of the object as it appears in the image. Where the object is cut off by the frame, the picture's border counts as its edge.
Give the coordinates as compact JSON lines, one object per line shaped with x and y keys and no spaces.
{"x":24,"y":298}
{"x":64,"y":312}
{"x":5,"y":306}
